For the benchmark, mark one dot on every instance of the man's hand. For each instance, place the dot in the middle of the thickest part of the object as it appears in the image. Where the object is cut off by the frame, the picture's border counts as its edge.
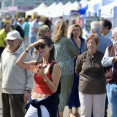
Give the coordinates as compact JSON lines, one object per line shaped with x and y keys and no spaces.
{"x":115,"y":59}
{"x":26,"y":96}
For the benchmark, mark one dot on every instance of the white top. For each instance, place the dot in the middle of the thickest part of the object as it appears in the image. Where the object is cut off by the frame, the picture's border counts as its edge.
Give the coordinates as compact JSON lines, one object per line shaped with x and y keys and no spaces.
{"x":15,"y":80}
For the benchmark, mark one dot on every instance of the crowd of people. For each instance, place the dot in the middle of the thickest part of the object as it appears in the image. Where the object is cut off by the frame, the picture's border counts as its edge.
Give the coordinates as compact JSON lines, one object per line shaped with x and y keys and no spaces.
{"x":44,"y":70}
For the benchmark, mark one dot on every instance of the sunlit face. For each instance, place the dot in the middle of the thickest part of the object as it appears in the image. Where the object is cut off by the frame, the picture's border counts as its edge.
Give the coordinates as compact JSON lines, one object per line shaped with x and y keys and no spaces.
{"x":91,"y":45}
{"x":7,"y":28}
{"x":76,"y":32}
{"x":12,"y":45}
{"x":115,"y":37}
{"x":47,"y":33}
{"x":44,"y":49}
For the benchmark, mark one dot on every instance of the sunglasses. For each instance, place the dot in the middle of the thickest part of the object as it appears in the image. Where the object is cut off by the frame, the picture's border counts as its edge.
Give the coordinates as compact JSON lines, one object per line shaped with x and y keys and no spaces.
{"x":42,"y":46}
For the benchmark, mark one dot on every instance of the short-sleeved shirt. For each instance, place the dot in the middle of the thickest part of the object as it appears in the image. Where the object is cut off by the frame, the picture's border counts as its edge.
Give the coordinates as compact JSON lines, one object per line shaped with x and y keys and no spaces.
{"x":26,"y":28}
{"x":33,"y":25}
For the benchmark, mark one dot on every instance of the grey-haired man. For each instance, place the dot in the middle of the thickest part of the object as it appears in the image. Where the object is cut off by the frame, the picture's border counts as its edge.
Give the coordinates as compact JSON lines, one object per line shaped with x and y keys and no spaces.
{"x":17,"y":83}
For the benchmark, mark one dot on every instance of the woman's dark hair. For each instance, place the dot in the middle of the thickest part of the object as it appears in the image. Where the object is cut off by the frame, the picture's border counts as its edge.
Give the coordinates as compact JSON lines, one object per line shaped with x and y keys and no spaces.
{"x":48,"y":42}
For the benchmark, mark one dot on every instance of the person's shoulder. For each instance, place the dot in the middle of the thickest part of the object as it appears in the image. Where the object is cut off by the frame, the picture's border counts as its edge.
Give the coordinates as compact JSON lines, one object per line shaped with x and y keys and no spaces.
{"x":105,"y":39}
{"x":2,"y":31}
{"x":4,"y":53}
{"x":63,"y":39}
{"x":24,"y":24}
{"x":67,"y":40}
{"x":83,"y":55}
{"x":100,"y":53}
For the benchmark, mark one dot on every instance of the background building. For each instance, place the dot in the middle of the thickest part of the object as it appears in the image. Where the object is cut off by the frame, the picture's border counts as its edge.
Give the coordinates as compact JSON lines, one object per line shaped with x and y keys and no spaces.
{"x":4,"y":4}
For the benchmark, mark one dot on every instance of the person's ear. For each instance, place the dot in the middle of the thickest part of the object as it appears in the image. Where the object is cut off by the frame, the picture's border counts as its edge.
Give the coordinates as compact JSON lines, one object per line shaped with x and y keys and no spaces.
{"x":20,"y":42}
{"x":51,"y":46}
{"x":92,"y":31}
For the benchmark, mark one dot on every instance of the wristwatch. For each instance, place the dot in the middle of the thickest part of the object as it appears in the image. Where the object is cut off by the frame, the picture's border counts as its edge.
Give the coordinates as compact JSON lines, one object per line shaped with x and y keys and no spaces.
{"x":28,"y":91}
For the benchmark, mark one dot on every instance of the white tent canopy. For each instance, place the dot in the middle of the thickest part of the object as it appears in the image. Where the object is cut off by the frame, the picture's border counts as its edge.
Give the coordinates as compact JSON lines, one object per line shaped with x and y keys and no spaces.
{"x":108,"y":11}
{"x":94,"y":6}
{"x":54,"y":10}
{"x":40,"y":7}
{"x":72,"y":6}
{"x":57,"y":10}
{"x":46,"y":11}
{"x":61,"y":10}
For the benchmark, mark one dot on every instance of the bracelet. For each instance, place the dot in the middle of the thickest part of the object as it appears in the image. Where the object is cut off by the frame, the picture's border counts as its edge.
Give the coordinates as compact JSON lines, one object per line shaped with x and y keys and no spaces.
{"x":28,"y":91}
{"x":27,"y":51}
{"x":45,"y":79}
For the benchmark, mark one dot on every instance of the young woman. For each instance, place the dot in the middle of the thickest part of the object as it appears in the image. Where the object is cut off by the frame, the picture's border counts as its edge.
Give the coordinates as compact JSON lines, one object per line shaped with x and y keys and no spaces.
{"x":75,"y":34}
{"x":43,"y":103}
{"x":65,"y":51}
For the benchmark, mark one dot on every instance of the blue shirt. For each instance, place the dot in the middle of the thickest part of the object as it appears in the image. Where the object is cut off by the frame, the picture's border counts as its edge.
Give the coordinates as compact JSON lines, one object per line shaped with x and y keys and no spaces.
{"x":33,"y":25}
{"x":26,"y":28}
{"x":103,"y":43}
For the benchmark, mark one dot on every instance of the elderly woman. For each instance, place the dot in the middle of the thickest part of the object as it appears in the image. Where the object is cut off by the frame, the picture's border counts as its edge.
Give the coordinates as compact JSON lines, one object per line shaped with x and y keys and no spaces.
{"x":44,"y":30}
{"x":92,"y":83}
{"x":75,"y":34}
{"x":110,"y":62}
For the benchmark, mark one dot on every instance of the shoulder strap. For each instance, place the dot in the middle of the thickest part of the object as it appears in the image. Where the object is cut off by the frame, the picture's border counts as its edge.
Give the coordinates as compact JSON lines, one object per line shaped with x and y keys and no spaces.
{"x":36,"y":62}
{"x":51,"y":67}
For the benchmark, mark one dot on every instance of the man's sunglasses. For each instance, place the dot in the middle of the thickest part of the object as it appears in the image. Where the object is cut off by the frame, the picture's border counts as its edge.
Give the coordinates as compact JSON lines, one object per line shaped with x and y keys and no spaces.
{"x":42,"y":46}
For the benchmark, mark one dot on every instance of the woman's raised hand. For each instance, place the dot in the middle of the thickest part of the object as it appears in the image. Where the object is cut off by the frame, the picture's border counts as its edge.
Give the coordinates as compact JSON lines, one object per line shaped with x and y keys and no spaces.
{"x":39,"y":71}
{"x":34,"y":44}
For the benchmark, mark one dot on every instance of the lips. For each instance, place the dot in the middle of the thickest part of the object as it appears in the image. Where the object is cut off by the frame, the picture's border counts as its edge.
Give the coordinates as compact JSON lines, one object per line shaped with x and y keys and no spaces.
{"x":41,"y":52}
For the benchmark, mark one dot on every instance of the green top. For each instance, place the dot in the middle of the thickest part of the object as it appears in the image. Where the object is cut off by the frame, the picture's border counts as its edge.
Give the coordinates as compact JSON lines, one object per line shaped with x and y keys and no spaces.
{"x":65,"y":51}
{"x":3,"y":35}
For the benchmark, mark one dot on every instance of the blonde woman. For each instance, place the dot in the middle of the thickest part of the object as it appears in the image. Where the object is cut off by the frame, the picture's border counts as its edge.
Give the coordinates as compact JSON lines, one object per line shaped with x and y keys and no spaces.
{"x":44,"y":30}
{"x":75,"y":34}
{"x":65,"y":51}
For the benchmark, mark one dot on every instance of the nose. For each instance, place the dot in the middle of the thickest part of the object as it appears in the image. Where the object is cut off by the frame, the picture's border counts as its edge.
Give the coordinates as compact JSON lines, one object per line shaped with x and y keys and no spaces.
{"x":9,"y":41}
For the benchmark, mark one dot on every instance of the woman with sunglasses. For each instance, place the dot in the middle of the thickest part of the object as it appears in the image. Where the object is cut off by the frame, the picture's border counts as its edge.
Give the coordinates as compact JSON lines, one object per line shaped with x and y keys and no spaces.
{"x":43,"y":103}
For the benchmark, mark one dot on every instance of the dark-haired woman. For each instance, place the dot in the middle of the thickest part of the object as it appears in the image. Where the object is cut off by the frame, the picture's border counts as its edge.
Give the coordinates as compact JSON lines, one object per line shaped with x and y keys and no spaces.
{"x":43,"y":103}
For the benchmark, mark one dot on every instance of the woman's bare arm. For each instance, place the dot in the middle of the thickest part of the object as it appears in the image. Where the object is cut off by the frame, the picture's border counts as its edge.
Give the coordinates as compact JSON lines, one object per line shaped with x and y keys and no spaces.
{"x":56,"y":74}
{"x":20,"y":61}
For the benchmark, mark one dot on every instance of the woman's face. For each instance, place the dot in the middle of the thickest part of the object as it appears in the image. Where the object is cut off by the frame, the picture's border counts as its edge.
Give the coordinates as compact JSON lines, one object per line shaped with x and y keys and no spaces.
{"x":91,"y":45}
{"x":76,"y":32}
{"x":44,"y":49}
{"x":47,"y":33}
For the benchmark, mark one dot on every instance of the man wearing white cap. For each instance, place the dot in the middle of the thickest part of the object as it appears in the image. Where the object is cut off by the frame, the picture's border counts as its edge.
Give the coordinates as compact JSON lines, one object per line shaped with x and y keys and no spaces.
{"x":17,"y":83}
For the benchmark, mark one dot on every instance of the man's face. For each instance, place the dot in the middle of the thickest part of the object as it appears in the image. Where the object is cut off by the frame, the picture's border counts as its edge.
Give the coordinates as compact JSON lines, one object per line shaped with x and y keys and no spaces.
{"x":115,"y":37}
{"x":7,"y":28}
{"x":13,"y":45}
{"x":37,"y":19}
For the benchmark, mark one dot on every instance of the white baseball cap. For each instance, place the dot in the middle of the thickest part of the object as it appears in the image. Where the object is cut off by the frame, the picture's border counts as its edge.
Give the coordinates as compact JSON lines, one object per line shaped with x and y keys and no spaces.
{"x":13,"y":35}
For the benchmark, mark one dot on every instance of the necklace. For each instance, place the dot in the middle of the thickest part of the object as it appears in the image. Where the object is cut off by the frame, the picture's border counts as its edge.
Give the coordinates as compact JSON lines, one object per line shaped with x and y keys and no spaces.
{"x":41,"y":66}
{"x":45,"y":66}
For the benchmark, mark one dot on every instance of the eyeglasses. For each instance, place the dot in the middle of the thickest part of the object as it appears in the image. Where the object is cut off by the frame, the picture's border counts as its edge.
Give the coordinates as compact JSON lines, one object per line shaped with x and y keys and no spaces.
{"x":42,"y":46}
{"x":48,"y":31}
